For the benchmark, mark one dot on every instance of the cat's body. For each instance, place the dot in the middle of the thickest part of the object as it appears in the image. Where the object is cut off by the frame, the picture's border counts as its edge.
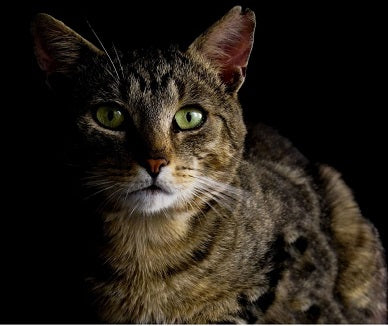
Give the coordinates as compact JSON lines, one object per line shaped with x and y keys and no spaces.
{"x":198,"y":227}
{"x":289,"y":258}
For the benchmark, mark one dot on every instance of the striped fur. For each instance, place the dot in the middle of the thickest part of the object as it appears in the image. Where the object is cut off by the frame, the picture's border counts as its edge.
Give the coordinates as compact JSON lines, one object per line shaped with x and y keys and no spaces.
{"x":253,"y":234}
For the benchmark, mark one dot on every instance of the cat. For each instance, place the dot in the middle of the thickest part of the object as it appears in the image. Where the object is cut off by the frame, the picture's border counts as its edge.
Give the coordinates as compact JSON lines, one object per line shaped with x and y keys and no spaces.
{"x":203,"y":219}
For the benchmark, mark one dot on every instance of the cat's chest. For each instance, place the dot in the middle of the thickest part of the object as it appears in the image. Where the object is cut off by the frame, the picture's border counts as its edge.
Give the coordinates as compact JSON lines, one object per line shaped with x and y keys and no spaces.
{"x":174,"y":299}
{"x":197,"y":279}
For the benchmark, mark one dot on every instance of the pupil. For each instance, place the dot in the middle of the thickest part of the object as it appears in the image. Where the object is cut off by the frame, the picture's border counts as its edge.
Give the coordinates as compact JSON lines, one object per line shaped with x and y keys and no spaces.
{"x":110,"y":115}
{"x":188,"y":116}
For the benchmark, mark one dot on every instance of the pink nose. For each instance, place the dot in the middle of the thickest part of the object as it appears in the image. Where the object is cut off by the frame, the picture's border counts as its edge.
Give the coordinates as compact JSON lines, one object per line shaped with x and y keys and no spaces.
{"x":154,"y":165}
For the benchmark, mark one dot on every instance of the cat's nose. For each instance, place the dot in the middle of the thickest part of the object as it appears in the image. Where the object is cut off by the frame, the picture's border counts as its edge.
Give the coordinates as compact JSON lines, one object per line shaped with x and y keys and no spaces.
{"x":153,"y":166}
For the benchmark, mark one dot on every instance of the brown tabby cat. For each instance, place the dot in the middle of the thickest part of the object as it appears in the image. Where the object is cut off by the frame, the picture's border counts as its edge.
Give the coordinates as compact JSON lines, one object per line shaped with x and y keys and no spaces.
{"x":201,"y":223}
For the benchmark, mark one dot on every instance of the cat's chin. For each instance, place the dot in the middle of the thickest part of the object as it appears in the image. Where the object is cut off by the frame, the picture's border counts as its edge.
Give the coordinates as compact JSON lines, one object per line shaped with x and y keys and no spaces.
{"x":151,"y":200}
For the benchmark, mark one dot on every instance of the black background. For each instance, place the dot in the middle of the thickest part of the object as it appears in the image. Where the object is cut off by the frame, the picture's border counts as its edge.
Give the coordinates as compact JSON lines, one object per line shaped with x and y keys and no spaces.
{"x":315,"y":74}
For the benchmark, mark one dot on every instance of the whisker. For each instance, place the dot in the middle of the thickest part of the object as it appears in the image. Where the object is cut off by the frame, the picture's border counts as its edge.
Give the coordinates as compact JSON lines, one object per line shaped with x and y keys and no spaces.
{"x":126,"y":194}
{"x":103,"y":47}
{"x":207,"y":203}
{"x":109,"y":198}
{"x":99,"y":191}
{"x":226,"y":188}
{"x":199,"y":208}
{"x":220,"y":189}
{"x":118,"y":59}
{"x":109,"y":72}
{"x":118,"y":198}
{"x":97,"y":183}
{"x":224,"y":203}
{"x":223,"y":194}
{"x":134,"y":208}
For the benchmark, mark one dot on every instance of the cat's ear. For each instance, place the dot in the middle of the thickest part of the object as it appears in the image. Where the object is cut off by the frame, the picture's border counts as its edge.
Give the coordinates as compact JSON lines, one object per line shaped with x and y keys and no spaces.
{"x":58,"y":48}
{"x":227,"y":45}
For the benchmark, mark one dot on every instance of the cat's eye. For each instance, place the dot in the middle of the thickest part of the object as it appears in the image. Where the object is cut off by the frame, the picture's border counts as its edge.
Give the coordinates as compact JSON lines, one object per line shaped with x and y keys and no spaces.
{"x":189,"y":118}
{"x":110,"y":117}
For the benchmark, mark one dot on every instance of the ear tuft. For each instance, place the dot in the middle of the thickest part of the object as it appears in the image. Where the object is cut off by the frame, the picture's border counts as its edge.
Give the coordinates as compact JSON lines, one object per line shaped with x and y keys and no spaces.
{"x":57,"y":47}
{"x":228,"y":44}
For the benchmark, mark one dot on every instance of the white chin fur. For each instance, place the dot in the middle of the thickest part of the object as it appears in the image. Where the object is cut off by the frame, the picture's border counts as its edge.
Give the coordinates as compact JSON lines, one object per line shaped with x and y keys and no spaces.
{"x":150,"y":202}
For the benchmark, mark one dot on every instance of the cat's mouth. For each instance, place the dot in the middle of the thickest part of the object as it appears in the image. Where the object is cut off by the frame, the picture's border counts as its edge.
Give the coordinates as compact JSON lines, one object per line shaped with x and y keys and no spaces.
{"x":152,"y":197}
{"x":154,"y":189}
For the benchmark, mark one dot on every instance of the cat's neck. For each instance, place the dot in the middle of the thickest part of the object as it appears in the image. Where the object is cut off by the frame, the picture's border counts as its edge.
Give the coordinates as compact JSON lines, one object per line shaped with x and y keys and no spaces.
{"x":138,"y":244}
{"x":149,"y":244}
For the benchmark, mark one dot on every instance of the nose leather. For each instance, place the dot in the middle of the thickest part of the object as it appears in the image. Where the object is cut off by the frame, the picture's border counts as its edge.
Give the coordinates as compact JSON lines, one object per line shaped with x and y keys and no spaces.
{"x":154,"y":165}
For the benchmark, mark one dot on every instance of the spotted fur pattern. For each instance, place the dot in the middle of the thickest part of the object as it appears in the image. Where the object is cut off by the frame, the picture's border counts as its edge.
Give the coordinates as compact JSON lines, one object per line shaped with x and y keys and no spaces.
{"x":249,"y":232}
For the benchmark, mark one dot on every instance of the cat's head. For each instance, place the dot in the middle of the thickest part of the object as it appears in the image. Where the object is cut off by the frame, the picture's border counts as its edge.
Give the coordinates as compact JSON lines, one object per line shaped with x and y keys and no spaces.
{"x":156,"y":130}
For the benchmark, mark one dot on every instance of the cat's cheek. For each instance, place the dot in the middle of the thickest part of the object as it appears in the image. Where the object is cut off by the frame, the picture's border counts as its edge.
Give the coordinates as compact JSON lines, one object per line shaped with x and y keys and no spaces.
{"x":192,"y":144}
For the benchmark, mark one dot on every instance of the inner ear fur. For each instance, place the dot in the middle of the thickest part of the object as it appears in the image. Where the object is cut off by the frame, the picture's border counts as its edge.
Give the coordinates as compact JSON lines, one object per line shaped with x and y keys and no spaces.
{"x":58,"y":49}
{"x":227,"y":45}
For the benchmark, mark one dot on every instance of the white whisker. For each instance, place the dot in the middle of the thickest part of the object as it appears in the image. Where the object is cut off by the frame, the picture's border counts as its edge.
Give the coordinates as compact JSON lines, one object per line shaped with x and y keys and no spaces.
{"x":207,"y":203}
{"x":224,"y":195}
{"x":110,"y":197}
{"x":222,"y":203}
{"x":133,"y":209}
{"x":103,"y":47}
{"x":118,"y":59}
{"x":109,"y":72}
{"x":199,"y":208}
{"x":99,"y":191}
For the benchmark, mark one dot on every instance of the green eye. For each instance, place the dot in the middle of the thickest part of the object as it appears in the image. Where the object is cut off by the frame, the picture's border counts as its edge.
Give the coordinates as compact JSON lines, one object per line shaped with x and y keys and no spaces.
{"x":188,"y":118}
{"x":109,"y":117}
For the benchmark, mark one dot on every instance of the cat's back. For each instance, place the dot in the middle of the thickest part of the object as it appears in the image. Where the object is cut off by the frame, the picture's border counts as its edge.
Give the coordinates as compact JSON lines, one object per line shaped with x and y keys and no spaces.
{"x":264,"y":144}
{"x":361,"y":281}
{"x":338,"y":256}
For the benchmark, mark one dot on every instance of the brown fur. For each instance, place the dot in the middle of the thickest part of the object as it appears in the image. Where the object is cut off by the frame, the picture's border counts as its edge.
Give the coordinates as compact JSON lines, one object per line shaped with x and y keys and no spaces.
{"x":254,"y":233}
{"x":361,"y":264}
